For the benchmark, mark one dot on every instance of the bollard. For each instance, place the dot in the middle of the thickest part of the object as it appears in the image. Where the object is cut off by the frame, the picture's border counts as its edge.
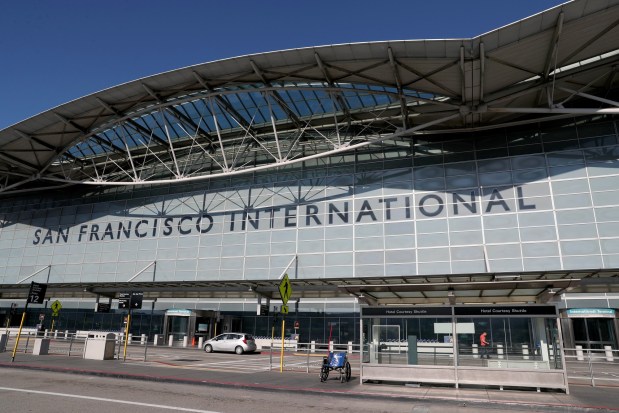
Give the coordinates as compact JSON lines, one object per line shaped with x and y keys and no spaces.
{"x":608,"y":351}
{"x":156,"y":339}
{"x":143,"y":339}
{"x":525,"y":351}
{"x":185,"y":339}
{"x":313,"y":347}
{"x":350,"y":347}
{"x":45,"y":333}
{"x":41,"y":347}
{"x":55,"y":334}
{"x":330,"y":346}
{"x":579,"y":354}
{"x":66,"y":334}
{"x":499,"y":351}
{"x":200,"y":342}
{"x":171,"y":340}
{"x":475,"y":351}
{"x":129,"y":339}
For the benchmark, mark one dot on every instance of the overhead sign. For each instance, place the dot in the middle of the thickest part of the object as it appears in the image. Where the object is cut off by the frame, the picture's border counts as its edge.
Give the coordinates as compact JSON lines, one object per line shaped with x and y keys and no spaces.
{"x":132,"y":300}
{"x":178,"y":312}
{"x":36,"y":295}
{"x":124,"y":300}
{"x":512,"y":310}
{"x":405,"y":311}
{"x":285,"y":289}
{"x":56,"y":307}
{"x":263,"y":309}
{"x":103,"y":308}
{"x":591,"y":313}
{"x":136,"y":300}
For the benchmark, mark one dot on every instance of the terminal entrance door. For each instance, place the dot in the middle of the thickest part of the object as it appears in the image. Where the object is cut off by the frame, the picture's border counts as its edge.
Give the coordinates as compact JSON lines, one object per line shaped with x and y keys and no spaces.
{"x":193,"y":324}
{"x":177,"y":326}
{"x":594,"y":333}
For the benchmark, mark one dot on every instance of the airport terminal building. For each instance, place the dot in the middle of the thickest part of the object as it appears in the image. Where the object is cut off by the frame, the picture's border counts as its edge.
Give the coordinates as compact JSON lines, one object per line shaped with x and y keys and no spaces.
{"x":461,"y":172}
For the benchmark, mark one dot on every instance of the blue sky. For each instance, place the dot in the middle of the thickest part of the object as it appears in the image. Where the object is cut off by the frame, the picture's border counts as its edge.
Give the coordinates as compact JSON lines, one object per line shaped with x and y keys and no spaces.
{"x":55,"y":51}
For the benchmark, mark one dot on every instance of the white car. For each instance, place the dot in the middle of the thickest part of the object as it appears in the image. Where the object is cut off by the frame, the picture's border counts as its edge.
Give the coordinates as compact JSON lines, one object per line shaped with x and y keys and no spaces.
{"x":237,"y":342}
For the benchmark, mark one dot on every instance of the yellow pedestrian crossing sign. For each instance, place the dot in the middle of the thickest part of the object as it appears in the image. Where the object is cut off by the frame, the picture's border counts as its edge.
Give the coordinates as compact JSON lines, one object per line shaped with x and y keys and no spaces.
{"x":56,"y":306}
{"x":285,"y":289}
{"x":284,"y":309}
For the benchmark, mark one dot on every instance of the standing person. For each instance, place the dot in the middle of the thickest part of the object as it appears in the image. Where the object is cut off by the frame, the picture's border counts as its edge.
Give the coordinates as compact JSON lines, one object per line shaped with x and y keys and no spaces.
{"x":485,"y":344}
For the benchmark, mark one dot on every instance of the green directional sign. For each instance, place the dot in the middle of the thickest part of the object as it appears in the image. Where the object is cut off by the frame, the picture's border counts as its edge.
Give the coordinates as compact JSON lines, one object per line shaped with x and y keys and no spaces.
{"x":285,"y":289}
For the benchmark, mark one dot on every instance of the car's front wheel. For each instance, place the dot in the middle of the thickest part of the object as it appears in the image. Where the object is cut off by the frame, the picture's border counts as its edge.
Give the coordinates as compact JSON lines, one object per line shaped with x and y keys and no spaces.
{"x":208,"y":348}
{"x":238,"y":350}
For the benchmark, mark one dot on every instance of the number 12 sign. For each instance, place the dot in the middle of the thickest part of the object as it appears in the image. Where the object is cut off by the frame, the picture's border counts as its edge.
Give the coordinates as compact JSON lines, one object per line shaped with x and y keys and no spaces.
{"x":36,"y":295}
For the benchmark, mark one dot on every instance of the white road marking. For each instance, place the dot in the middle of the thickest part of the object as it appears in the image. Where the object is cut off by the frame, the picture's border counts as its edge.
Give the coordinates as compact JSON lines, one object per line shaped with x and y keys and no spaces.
{"x":77,"y":396}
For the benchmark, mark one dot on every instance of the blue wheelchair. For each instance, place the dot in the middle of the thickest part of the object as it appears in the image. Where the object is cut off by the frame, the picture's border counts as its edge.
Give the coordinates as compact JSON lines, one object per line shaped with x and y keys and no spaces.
{"x":338,"y":362}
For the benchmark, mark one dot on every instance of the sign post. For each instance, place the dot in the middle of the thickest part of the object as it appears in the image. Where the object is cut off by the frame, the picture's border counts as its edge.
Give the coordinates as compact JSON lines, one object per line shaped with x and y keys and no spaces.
{"x":56,"y":306}
{"x":36,"y":295}
{"x":285,"y":291}
{"x":129,"y":300}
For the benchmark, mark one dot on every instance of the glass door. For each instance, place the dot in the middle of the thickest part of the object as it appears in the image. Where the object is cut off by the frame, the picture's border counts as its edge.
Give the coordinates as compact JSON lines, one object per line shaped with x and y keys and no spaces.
{"x":594,"y":333}
{"x":178,"y":327}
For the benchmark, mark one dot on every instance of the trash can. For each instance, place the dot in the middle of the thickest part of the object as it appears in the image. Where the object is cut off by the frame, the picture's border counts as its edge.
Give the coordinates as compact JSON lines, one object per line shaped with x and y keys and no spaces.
{"x":100,"y":346}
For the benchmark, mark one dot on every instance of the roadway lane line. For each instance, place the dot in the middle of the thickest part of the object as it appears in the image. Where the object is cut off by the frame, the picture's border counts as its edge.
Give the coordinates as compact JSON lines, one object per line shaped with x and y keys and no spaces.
{"x":77,"y":396}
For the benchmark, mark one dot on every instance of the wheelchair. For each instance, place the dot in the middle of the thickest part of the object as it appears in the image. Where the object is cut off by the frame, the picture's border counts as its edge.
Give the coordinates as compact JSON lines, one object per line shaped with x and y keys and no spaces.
{"x":338,"y":362}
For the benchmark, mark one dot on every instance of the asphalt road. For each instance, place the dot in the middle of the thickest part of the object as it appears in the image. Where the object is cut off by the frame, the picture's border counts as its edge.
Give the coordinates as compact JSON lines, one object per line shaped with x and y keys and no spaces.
{"x":43,"y":392}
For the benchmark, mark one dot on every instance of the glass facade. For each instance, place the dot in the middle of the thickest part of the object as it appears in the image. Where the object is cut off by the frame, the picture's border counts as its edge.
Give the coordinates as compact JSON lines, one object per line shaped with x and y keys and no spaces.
{"x":539,"y":198}
{"x":339,"y":326}
{"x":518,"y":200}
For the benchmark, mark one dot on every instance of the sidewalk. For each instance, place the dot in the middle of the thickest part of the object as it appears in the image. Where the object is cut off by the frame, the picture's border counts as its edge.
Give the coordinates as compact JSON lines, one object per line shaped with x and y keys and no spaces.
{"x":581,"y":398}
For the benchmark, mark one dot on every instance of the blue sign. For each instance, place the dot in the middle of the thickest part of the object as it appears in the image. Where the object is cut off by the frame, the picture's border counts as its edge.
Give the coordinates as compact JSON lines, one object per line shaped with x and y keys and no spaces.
{"x":591,"y":312}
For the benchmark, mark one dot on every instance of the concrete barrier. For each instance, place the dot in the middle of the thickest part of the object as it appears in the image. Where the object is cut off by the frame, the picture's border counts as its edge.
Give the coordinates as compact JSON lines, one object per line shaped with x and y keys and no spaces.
{"x":608,"y":351}
{"x":525,"y":351}
{"x":41,"y":347}
{"x":4,"y":338}
{"x":580,"y":355}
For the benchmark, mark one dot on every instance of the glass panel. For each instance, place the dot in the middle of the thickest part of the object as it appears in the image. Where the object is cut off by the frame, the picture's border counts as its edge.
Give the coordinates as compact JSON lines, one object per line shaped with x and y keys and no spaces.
{"x":422,"y":341}
{"x":508,"y":343}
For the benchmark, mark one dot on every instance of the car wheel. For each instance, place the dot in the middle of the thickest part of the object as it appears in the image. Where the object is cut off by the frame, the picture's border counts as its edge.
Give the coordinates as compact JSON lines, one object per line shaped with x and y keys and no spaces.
{"x":238,"y":350}
{"x":208,"y":348}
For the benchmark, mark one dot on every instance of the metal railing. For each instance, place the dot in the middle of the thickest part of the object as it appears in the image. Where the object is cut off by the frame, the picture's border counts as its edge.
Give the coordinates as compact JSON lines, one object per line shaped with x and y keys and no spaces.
{"x":593,"y":367}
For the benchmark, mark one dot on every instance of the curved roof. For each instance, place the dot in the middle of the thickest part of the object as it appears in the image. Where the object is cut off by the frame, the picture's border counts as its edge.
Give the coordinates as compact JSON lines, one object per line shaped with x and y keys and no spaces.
{"x":273,"y":109}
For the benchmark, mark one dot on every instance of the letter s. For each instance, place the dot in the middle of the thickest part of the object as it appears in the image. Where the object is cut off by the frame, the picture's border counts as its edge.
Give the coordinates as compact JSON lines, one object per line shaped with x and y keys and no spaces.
{"x":37,"y":239}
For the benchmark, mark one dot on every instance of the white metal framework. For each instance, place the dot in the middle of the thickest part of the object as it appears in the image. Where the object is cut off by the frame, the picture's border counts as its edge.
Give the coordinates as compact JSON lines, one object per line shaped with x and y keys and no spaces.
{"x":275,"y":109}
